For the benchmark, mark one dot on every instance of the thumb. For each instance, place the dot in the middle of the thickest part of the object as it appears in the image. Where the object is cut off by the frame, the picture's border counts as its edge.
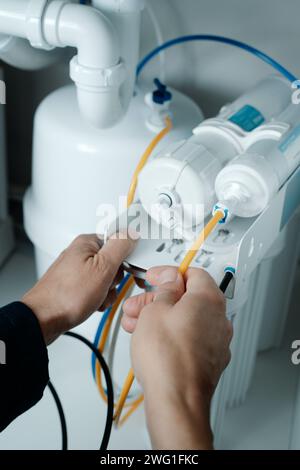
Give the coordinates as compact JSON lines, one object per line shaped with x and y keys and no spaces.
{"x":170,"y":285}
{"x":113,"y":253}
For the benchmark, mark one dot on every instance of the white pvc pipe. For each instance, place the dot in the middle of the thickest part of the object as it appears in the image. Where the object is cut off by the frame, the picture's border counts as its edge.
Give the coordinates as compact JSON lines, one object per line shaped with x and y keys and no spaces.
{"x":15,"y":49}
{"x":125,"y":16}
{"x":13,"y":17}
{"x":19,"y":53}
{"x":98,"y":71}
{"x":86,"y":29}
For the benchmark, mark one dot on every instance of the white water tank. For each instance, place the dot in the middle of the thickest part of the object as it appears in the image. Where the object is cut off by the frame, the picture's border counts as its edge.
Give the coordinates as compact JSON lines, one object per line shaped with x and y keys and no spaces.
{"x":77,"y":167}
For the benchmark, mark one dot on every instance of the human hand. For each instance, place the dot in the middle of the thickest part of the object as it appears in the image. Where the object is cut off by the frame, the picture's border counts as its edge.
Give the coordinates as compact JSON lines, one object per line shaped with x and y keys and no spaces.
{"x":180,"y":347}
{"x":82,"y":280}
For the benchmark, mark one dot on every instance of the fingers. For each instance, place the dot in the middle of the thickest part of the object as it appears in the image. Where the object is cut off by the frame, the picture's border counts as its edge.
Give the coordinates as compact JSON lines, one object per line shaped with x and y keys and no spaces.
{"x":132,"y":309}
{"x":117,"y":248}
{"x":111,"y":256}
{"x":118,"y":279}
{"x":193,"y":275}
{"x":201,"y":288}
{"x":198,"y":280}
{"x":135,"y":304}
{"x":196,"y":287}
{"x":110,"y":300}
{"x":87,"y":244}
{"x":170,"y":285}
{"x":112,"y":293}
{"x":153,"y":274}
{"x":129,"y":324}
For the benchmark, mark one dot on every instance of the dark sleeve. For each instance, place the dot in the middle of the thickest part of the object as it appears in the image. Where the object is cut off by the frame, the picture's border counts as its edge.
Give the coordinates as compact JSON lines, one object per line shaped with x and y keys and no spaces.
{"x":23,"y":362}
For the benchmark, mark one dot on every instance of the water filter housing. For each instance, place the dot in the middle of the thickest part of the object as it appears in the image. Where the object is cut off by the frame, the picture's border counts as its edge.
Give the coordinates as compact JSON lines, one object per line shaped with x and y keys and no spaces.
{"x":177,"y":187}
{"x":248,"y":183}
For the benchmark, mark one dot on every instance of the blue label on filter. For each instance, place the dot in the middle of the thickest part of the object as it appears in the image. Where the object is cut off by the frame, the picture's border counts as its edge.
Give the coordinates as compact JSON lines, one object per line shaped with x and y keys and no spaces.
{"x":248,"y":118}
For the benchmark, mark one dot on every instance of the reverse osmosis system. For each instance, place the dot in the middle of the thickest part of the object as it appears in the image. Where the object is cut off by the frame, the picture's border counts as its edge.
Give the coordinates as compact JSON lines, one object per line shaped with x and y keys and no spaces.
{"x":222,"y":193}
{"x":244,"y":165}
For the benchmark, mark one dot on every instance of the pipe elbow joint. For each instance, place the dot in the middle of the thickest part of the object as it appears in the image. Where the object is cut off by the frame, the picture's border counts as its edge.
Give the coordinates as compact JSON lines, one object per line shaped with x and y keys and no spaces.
{"x":98,"y":70}
{"x":90,"y":32}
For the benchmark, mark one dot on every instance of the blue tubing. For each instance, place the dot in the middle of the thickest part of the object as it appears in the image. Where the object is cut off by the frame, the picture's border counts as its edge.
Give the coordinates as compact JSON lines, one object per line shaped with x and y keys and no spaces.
{"x":102,"y":324}
{"x":221,"y":39}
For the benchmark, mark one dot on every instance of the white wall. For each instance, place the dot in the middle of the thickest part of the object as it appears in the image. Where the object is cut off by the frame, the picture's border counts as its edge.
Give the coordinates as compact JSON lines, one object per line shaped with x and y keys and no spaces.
{"x":212,"y":74}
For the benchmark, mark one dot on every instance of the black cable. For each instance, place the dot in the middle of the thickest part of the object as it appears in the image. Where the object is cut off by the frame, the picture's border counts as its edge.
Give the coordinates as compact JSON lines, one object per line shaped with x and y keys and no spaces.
{"x":62,"y":418}
{"x":226,"y":281}
{"x":109,"y":387}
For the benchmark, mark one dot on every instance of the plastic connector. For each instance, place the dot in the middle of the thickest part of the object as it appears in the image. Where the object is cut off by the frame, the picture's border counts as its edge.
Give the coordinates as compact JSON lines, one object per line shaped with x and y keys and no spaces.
{"x":161,"y":95}
{"x":230,"y":269}
{"x":223,"y":208}
{"x":159,"y":102}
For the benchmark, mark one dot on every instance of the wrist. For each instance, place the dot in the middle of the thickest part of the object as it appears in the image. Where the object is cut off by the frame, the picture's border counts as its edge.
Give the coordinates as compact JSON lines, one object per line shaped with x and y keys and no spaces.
{"x":49,"y":318}
{"x":179,"y":418}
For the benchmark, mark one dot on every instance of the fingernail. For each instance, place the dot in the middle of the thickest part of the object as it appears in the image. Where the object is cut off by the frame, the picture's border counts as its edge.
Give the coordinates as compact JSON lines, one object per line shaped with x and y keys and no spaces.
{"x":125,"y":235}
{"x":168,"y":275}
{"x":133,"y":234}
{"x":128,"y":303}
{"x":129,"y":324}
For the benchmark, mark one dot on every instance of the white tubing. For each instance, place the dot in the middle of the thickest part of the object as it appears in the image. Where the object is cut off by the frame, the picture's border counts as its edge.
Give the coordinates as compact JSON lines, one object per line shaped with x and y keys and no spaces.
{"x":159,"y":39}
